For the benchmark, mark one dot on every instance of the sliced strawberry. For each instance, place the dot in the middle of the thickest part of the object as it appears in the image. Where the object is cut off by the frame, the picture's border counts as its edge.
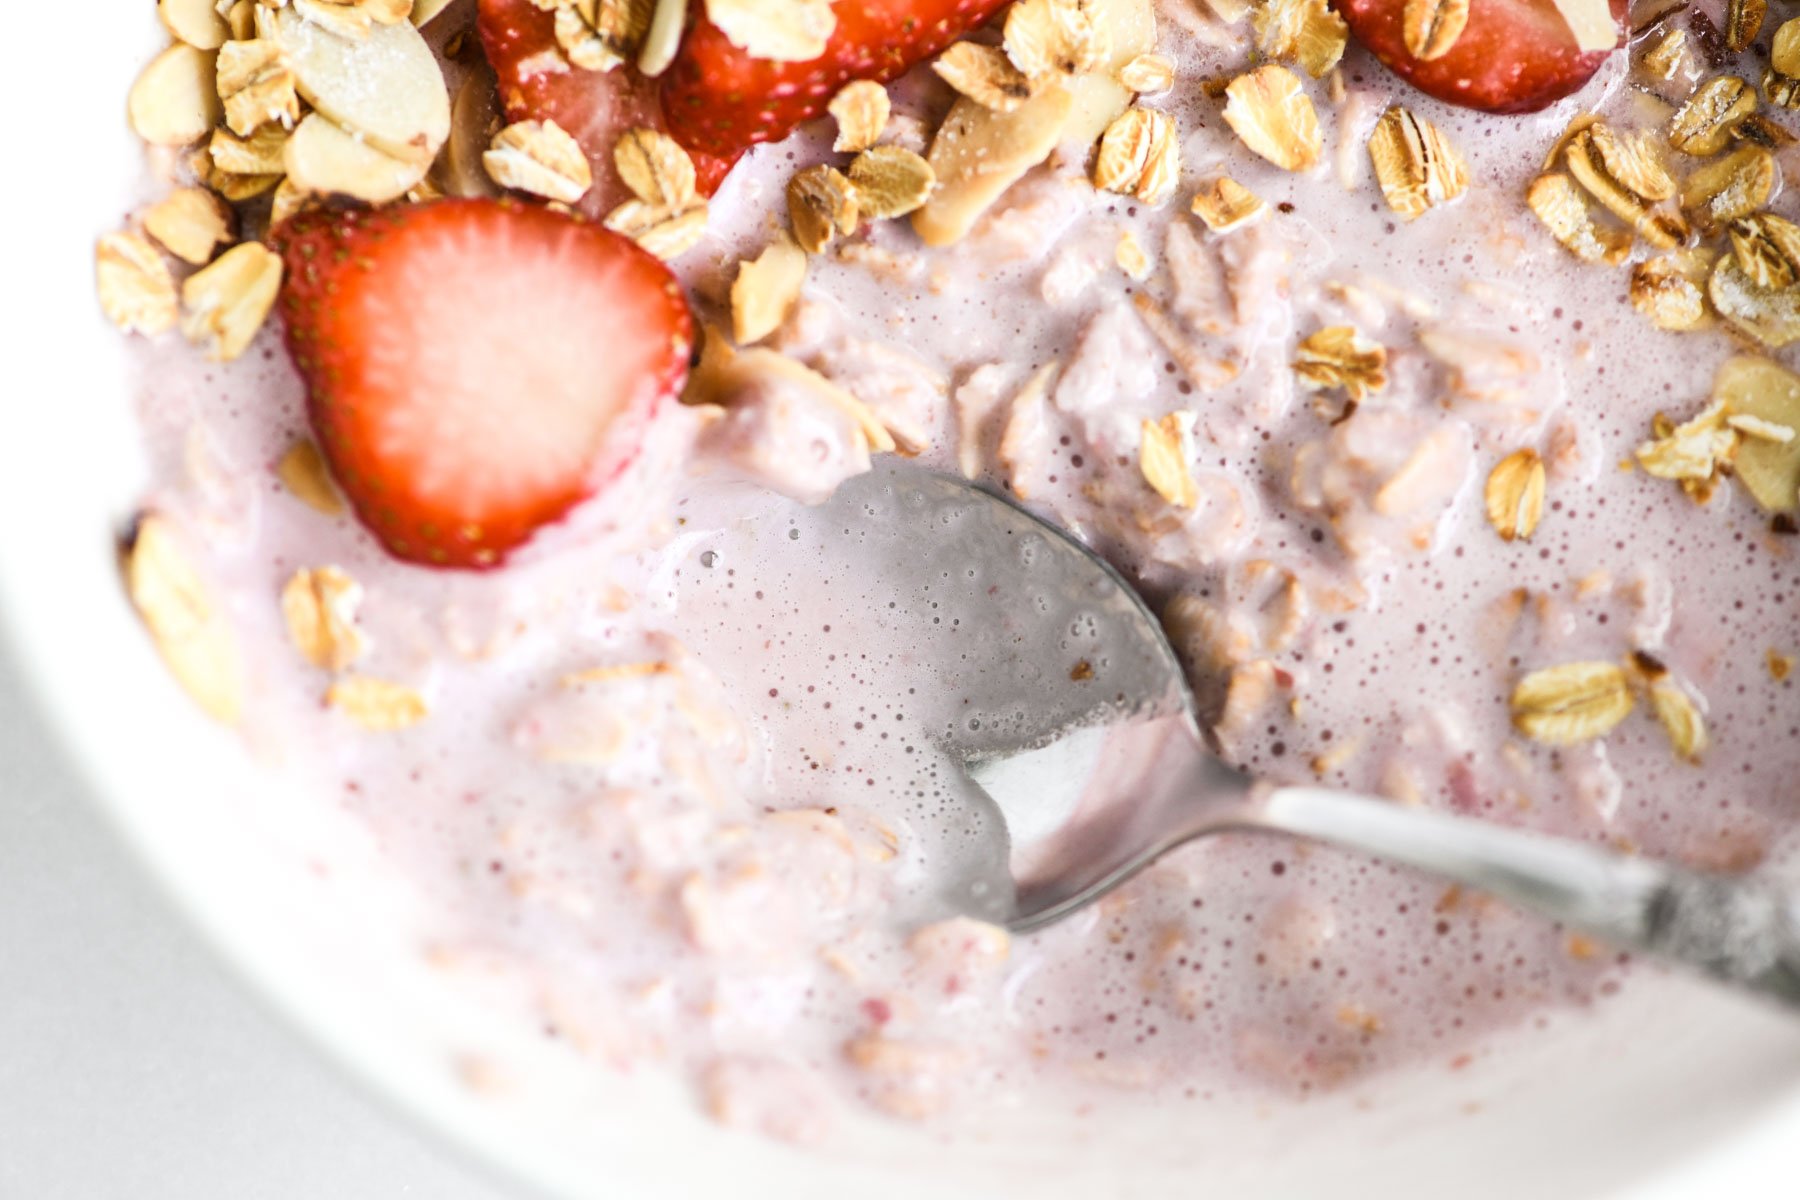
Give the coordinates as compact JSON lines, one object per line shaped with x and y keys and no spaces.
{"x":719,"y":100}
{"x":476,"y":367}
{"x":1513,"y":55}
{"x":537,"y":84}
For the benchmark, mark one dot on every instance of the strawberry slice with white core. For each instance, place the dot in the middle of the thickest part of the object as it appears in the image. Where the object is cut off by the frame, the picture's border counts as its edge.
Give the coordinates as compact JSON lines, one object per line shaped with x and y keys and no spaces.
{"x":476,"y":368}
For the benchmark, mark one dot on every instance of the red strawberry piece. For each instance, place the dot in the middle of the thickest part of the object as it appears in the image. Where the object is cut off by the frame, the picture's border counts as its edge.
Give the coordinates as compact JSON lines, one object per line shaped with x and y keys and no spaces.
{"x":476,"y":368}
{"x":538,"y":84}
{"x":719,"y":100}
{"x":1513,"y":55}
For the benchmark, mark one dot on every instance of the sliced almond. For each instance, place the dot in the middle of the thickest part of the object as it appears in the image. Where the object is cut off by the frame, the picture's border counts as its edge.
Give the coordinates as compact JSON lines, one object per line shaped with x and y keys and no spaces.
{"x":1431,"y":27}
{"x":1576,"y":702}
{"x":766,"y":291}
{"x":1693,"y":451}
{"x":196,"y":22}
{"x":1164,"y":453}
{"x":979,"y":153}
{"x":406,"y":117}
{"x":228,"y":301}
{"x":1273,"y":116}
{"x":822,"y":203}
{"x":303,"y":472}
{"x":1668,"y":294}
{"x":1515,"y":495}
{"x":137,"y":292}
{"x":662,"y":40}
{"x":1703,"y":125}
{"x":256,"y":86}
{"x":424,"y":12}
{"x":191,"y":223}
{"x":985,"y":75}
{"x":1770,"y":316}
{"x":376,"y":704}
{"x":1680,"y":718}
{"x":1768,"y":467}
{"x":890,"y":181}
{"x":1591,"y":21}
{"x":319,"y":606}
{"x":324,"y":158}
{"x":193,"y":638}
{"x":1225,"y":205}
{"x":1305,"y":32}
{"x":1340,"y":356}
{"x":656,"y":168}
{"x":1139,"y":156}
{"x":861,"y":110}
{"x":776,"y":30}
{"x":262,"y":153}
{"x":175,"y":100}
{"x":539,"y":157}
{"x":1415,"y":164}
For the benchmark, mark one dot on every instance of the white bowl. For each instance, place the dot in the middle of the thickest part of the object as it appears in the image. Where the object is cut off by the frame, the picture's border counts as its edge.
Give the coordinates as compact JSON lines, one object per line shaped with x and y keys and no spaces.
{"x":1665,"y":1088}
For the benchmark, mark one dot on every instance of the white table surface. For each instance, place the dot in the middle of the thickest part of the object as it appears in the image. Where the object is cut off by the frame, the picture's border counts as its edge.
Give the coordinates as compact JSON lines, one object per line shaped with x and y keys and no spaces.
{"x":132,"y":1066}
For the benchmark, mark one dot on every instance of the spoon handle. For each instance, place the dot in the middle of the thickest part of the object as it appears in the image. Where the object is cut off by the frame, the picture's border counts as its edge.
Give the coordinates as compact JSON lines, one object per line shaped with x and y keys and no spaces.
{"x":1741,"y":931}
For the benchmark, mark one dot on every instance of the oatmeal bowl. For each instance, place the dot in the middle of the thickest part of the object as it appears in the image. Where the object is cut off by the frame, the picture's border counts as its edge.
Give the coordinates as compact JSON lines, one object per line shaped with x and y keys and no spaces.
{"x":424,"y":564}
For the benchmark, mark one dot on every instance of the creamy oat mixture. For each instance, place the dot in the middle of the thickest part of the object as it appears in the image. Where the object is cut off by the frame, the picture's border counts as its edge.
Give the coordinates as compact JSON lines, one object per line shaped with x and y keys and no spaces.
{"x":1417,"y":424}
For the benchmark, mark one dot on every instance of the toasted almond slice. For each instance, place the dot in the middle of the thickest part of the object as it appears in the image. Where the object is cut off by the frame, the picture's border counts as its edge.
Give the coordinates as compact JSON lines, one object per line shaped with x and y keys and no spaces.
{"x":262,"y":153}
{"x":1515,"y":495}
{"x":319,"y":605}
{"x":1680,"y":718}
{"x":191,"y":223}
{"x":407,"y":117}
{"x":1576,"y":702}
{"x":1430,"y":27}
{"x":256,"y":86}
{"x":663,"y":37}
{"x":822,"y":203}
{"x":776,"y":30}
{"x":861,"y":110}
{"x":1164,"y":452}
{"x":1225,"y":205}
{"x":228,"y":301}
{"x":196,"y":22}
{"x":1591,"y":21}
{"x":766,"y":290}
{"x":193,"y":638}
{"x":175,"y":100}
{"x":979,"y":153}
{"x":541,"y":158}
{"x":376,"y":704}
{"x":325,"y":158}
{"x":1763,"y":400}
{"x":137,"y":293}
{"x":890,"y":181}
{"x":303,"y":472}
{"x":1274,"y":117}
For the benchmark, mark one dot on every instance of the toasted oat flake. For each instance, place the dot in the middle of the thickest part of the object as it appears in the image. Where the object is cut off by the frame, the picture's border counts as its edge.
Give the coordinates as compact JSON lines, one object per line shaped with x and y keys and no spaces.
{"x":662,"y":232}
{"x":540,"y":157}
{"x":1340,"y":356}
{"x":190,"y":634}
{"x":190,"y":223}
{"x":1415,"y":164}
{"x":777,"y":30}
{"x":1729,"y":187}
{"x":1680,"y":718}
{"x":1664,"y":292}
{"x":1130,"y":257}
{"x":175,"y":100}
{"x":890,"y":181}
{"x":1148,"y":74}
{"x":376,"y":704}
{"x":656,"y":168}
{"x":1770,"y":316}
{"x":1515,"y":495}
{"x":1575,"y":702}
{"x":1704,"y":124}
{"x":985,"y":75}
{"x":262,"y":155}
{"x":1632,"y":160}
{"x":822,"y":203}
{"x":1743,"y":21}
{"x":599,"y":35}
{"x":1767,"y":248}
{"x":861,"y":110}
{"x":1225,"y":205}
{"x":1056,"y":37}
{"x":1430,"y":27}
{"x":1667,"y":58}
{"x":766,"y":291}
{"x":1274,"y":117}
{"x":1139,"y":156}
{"x":1306,"y":32}
{"x":319,"y":605}
{"x":256,"y":86}
{"x":137,"y":292}
{"x":1163,"y":457}
{"x":228,"y":301}
{"x":1625,"y":176}
{"x":1691,"y":451}
{"x":1556,"y":201}
{"x":303,"y":472}
{"x":1781,"y":83}
{"x":352,"y":18}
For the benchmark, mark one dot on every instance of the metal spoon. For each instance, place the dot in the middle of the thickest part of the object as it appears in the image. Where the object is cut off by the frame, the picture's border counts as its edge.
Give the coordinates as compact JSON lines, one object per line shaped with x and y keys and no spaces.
{"x":1101,"y":767}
